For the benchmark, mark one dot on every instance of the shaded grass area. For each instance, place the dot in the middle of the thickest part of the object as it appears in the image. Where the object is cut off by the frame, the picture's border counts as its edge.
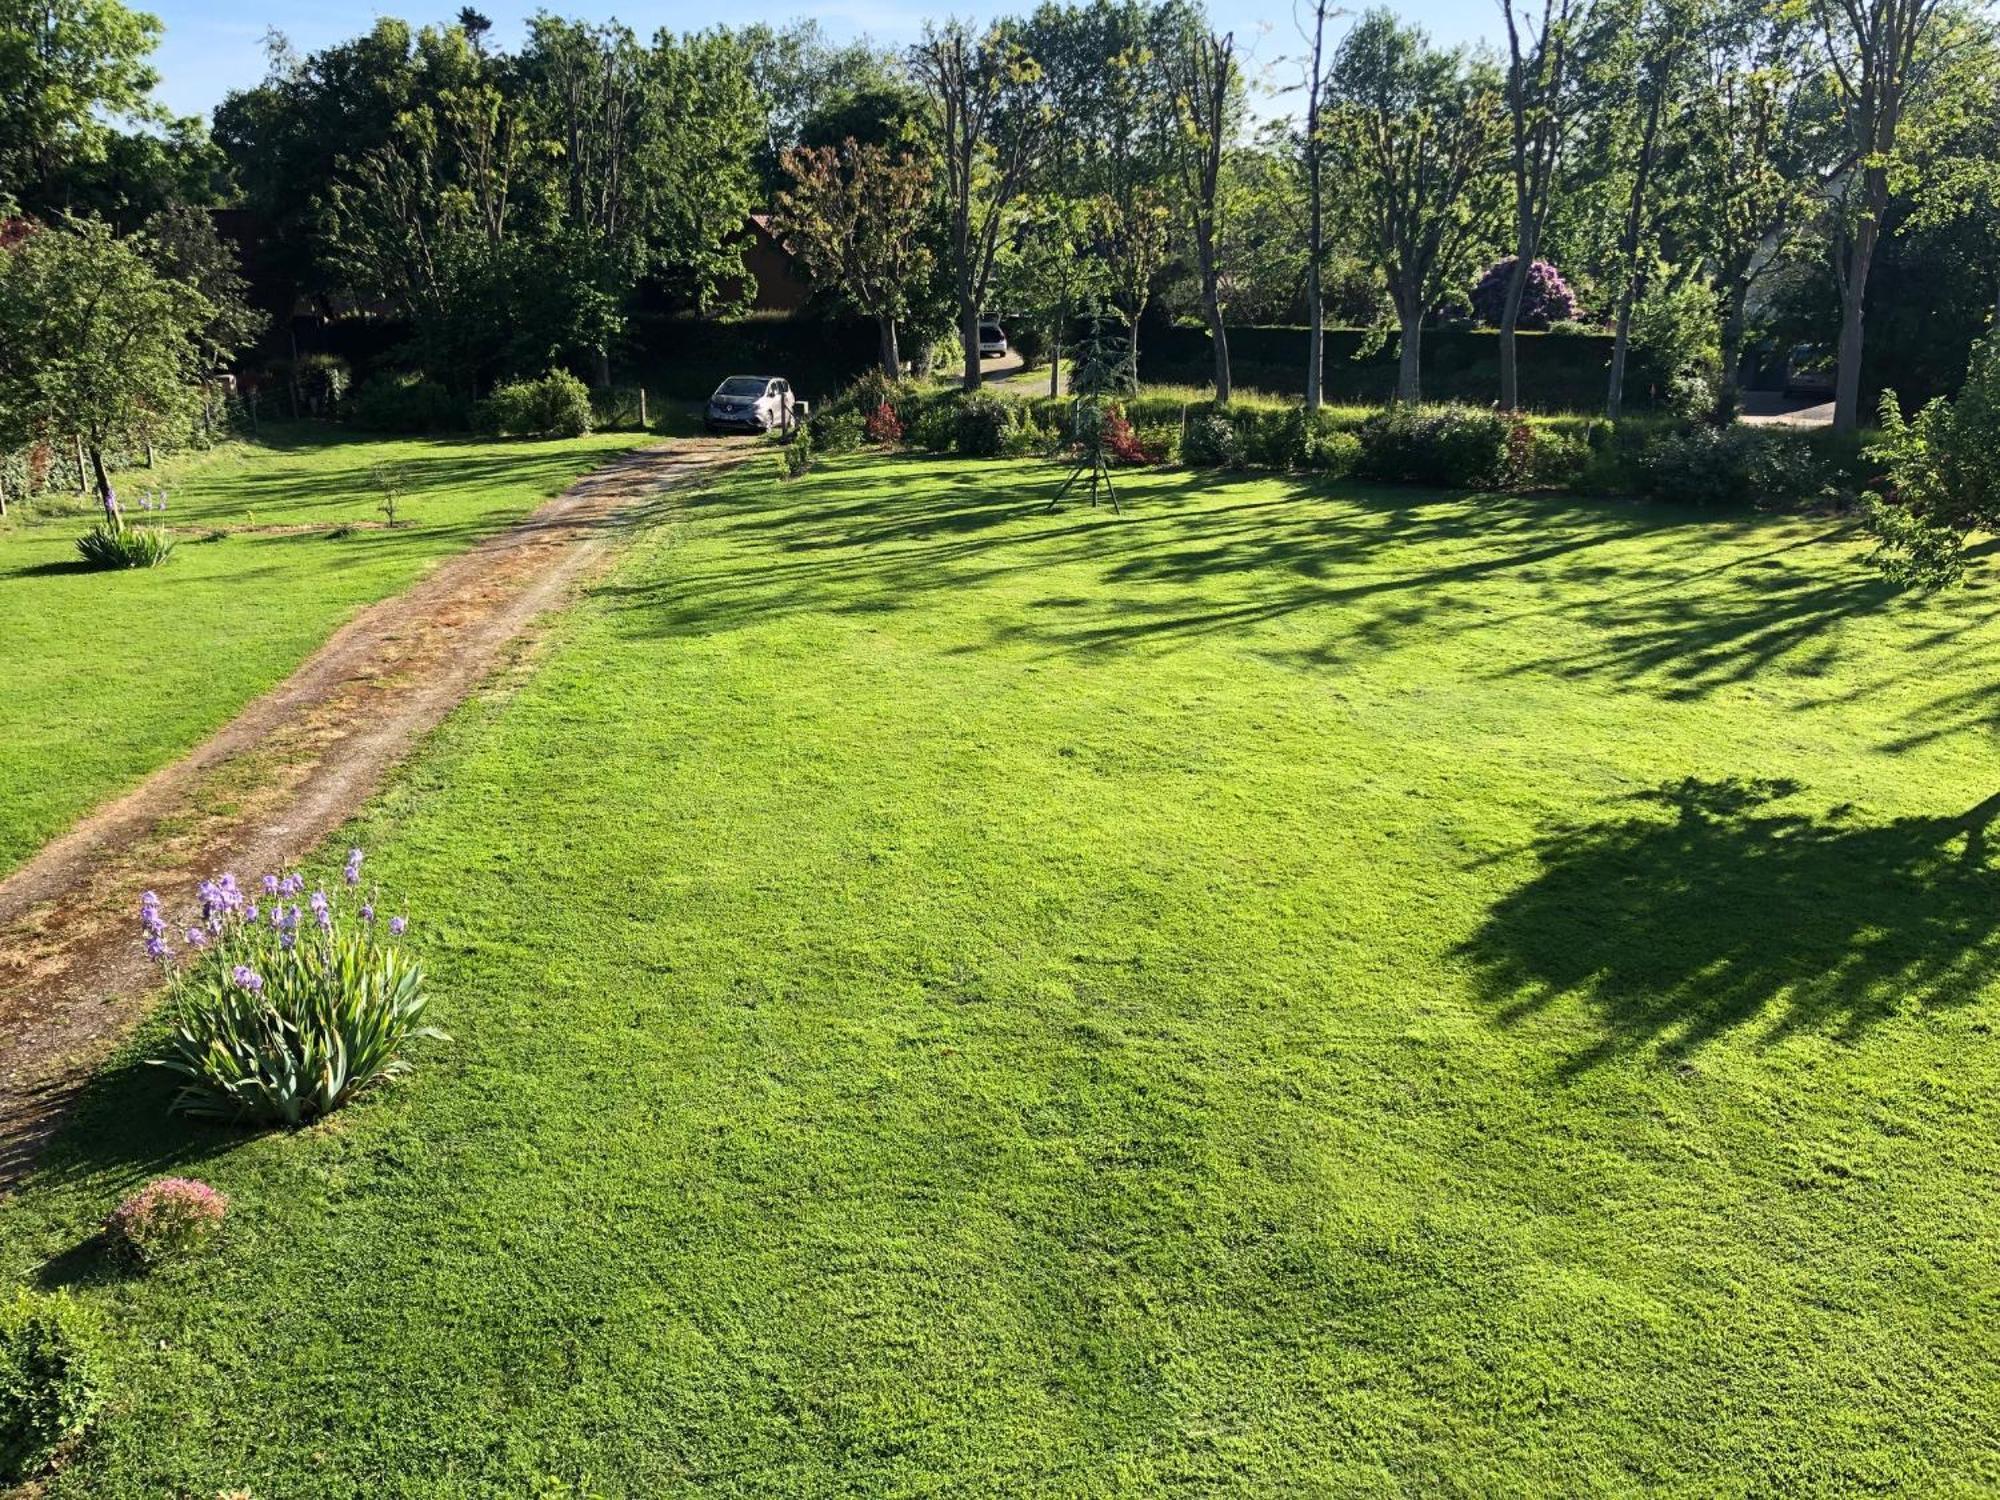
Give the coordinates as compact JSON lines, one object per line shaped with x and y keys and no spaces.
{"x":1288,"y":992}
{"x":110,"y":675}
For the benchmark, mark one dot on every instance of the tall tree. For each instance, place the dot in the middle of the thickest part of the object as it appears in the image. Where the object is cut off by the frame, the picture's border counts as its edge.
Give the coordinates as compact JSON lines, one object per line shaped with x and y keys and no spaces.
{"x":69,"y":70}
{"x":1543,"y":108}
{"x":94,"y":341}
{"x":989,"y":119}
{"x":856,"y":217}
{"x":1202,"y":80}
{"x":1753,"y":137}
{"x":1878,"y":54}
{"x":1314,"y":152}
{"x":1655,"y":45}
{"x":1049,"y":275}
{"x":1413,"y":130}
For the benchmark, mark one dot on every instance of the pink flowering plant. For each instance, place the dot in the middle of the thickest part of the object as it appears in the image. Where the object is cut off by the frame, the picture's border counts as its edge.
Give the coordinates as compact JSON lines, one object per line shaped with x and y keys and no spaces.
{"x":283,"y":1009}
{"x":167,"y":1218}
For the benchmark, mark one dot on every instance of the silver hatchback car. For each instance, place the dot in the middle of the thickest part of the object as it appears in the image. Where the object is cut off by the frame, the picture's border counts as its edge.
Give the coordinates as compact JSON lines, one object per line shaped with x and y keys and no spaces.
{"x":752,"y":403}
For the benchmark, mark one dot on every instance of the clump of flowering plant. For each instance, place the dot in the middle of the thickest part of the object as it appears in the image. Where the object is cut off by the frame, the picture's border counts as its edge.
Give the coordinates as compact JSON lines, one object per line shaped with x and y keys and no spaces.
{"x":283,"y":1010}
{"x":167,"y":1218}
{"x":884,"y":428}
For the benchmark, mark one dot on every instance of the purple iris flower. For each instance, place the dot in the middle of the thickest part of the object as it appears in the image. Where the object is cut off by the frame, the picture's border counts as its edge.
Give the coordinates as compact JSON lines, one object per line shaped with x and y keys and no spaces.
{"x":247,"y":979}
{"x":398,"y":926}
{"x":270,"y":885}
{"x":352,"y":873}
{"x":196,"y":938}
{"x":368,"y":911}
{"x":250,"y":912}
{"x":156,"y":948}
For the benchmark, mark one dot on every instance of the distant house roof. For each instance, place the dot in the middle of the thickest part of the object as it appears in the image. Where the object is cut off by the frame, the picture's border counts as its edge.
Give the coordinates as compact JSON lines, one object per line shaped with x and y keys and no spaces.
{"x":777,"y":282}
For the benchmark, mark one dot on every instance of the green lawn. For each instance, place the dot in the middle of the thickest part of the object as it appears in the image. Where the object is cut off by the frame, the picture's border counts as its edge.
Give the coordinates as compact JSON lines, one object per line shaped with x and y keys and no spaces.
{"x":1287,"y":992}
{"x":109,"y":675}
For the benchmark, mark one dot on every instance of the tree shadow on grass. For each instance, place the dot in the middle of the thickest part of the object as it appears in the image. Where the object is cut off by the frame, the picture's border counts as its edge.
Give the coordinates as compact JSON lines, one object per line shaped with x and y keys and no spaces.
{"x":117,"y":1127}
{"x":1705,"y":906}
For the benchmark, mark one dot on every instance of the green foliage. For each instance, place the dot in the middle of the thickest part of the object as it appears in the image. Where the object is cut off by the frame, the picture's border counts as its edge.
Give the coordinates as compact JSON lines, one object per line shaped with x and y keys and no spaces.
{"x":555,"y":405}
{"x":1942,"y":472}
{"x":1730,"y":467}
{"x":50,"y":1388}
{"x":113,"y":544}
{"x":839,"y":429}
{"x":69,"y":69}
{"x":799,"y":456}
{"x":93,"y":340}
{"x":1460,"y":447}
{"x":403,"y":401}
{"x":333,"y":1014}
{"x":982,"y":425}
{"x":934,"y":427}
{"x":1212,"y":441}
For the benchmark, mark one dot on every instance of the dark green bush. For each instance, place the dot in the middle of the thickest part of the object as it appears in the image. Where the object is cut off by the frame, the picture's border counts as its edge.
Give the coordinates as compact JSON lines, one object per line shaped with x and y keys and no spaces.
{"x":799,"y":454}
{"x":932,"y":425}
{"x":1722,"y":467}
{"x":839,"y":429}
{"x":1459,"y":447}
{"x":1030,"y":344}
{"x":1212,"y":441}
{"x":48,"y":1379}
{"x":982,"y":426}
{"x":403,"y":402}
{"x":557,"y":405}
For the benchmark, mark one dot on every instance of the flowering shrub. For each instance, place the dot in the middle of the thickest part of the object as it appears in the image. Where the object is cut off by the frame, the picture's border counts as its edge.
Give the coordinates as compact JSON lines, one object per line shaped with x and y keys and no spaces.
{"x":1121,"y":443}
{"x":884,"y":426}
{"x":278,"y":1017}
{"x":48,"y":1379}
{"x":167,"y":1218}
{"x":113,"y":544}
{"x":1545,"y":299}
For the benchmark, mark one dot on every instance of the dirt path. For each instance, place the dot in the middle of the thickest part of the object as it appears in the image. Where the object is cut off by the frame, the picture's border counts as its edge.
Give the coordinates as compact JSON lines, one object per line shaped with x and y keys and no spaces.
{"x":270,"y":785}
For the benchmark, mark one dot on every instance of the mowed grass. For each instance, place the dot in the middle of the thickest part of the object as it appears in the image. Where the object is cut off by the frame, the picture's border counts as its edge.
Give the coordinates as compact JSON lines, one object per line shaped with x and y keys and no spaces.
{"x":1286,"y":992}
{"x":110,"y":675}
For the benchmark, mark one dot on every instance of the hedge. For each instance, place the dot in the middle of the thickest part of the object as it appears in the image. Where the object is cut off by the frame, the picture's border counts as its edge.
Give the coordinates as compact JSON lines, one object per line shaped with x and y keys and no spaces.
{"x":1559,"y":371}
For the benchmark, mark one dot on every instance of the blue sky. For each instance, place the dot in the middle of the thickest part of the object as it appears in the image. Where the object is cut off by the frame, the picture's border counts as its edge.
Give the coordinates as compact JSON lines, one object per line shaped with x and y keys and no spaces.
{"x":212,"y":47}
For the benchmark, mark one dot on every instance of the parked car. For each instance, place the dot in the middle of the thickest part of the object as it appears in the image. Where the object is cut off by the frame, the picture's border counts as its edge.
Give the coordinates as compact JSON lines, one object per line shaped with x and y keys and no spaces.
{"x":1809,"y":371}
{"x":992,"y":340}
{"x":753,"y":403}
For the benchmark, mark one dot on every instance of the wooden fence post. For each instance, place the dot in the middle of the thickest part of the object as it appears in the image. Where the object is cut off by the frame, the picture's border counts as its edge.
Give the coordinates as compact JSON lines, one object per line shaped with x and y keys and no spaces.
{"x":644,"y":425}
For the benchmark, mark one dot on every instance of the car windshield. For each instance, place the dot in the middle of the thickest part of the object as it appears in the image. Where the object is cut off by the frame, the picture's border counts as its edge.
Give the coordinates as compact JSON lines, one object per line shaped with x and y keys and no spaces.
{"x":741,"y":385}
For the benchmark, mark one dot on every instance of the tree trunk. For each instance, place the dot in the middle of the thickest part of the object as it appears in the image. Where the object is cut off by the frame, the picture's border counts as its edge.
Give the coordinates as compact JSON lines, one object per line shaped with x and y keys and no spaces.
{"x":968,"y":332}
{"x":1315,"y":221}
{"x":600,"y":359}
{"x":1211,"y":307}
{"x":1853,"y":292}
{"x":104,"y":496}
{"x":1055,"y":362}
{"x":892,"y":359}
{"x":1621,"y":344}
{"x":1315,"y":311}
{"x":1409,"y":360}
{"x":1132,"y":349}
{"x":1734,"y":326}
{"x":1510,"y":319}
{"x":82,"y":473}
